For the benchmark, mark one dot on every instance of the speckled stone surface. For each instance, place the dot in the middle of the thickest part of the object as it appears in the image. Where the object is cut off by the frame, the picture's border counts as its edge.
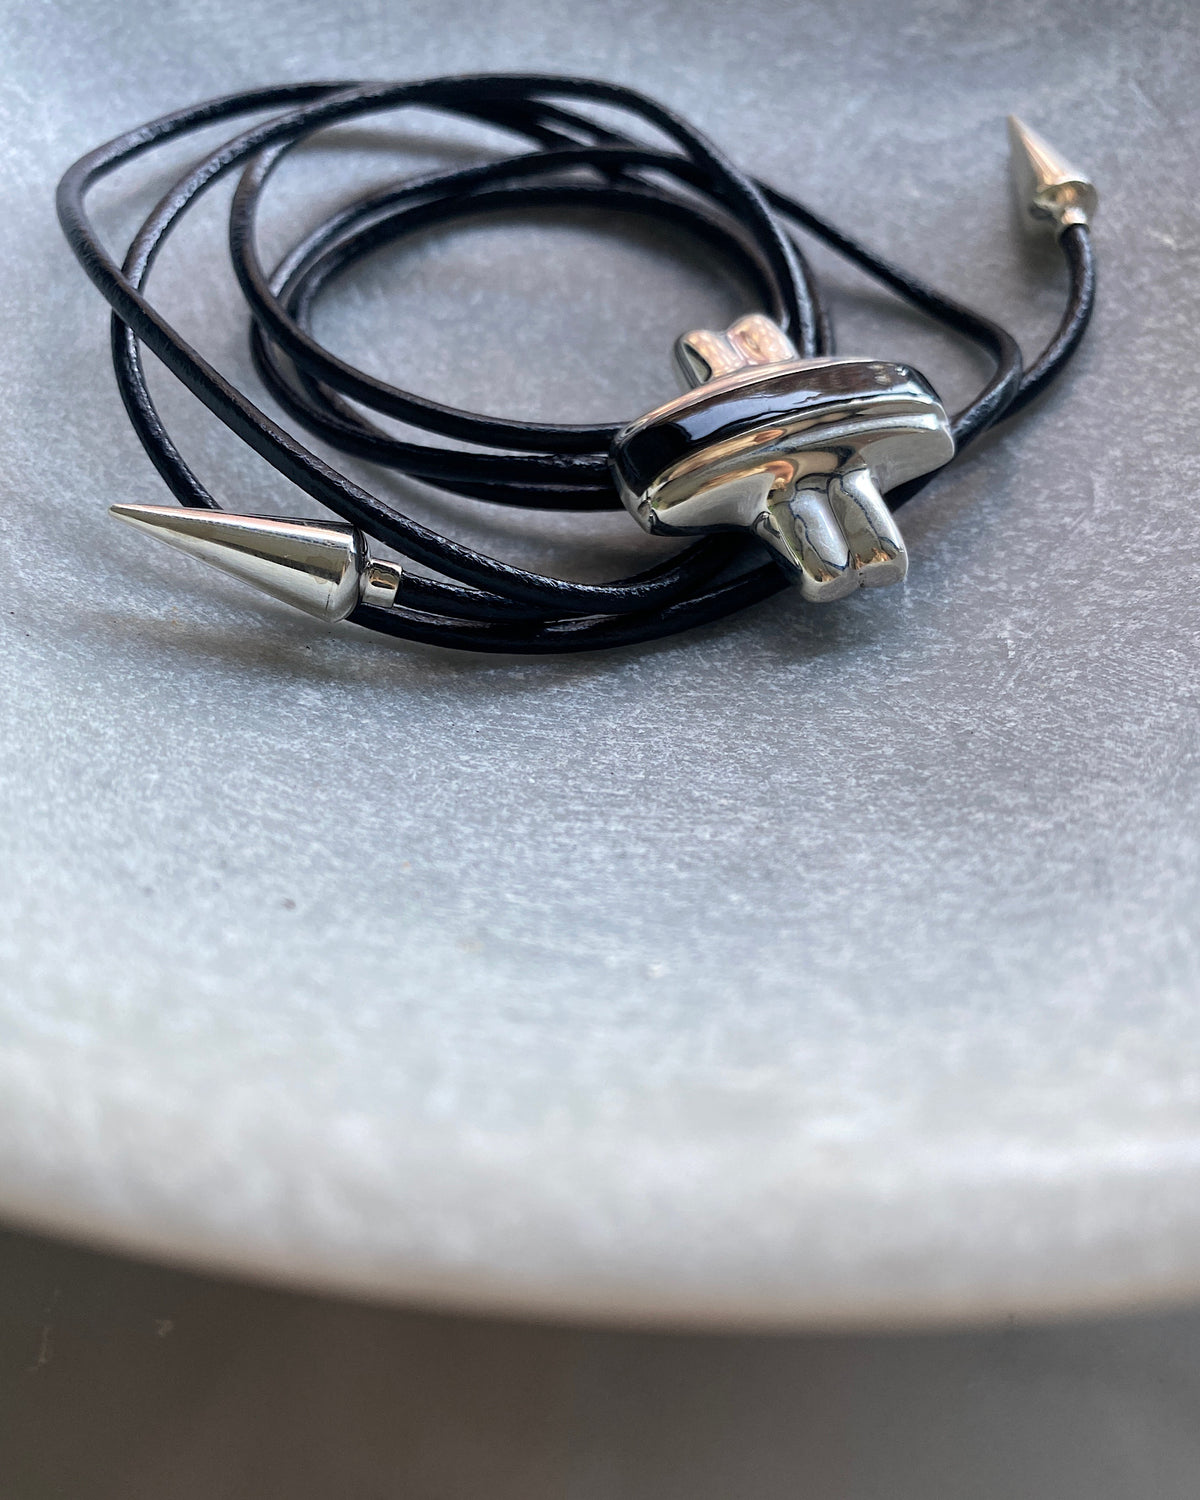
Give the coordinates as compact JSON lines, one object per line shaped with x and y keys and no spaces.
{"x":817,"y":968}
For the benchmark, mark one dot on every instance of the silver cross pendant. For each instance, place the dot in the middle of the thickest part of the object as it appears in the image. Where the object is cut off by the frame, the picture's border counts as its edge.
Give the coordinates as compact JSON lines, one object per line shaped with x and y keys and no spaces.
{"x":795,"y":450}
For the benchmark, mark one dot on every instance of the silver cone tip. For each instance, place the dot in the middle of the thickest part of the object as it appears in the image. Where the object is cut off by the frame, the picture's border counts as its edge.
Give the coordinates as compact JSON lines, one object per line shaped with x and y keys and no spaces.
{"x":145,"y":514}
{"x":317,"y":566}
{"x":1052,"y":193}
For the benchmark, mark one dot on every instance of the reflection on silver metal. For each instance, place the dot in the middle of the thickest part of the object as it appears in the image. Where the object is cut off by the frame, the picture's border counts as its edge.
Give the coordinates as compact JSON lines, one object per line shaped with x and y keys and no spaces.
{"x":1051,"y":193}
{"x":795,"y":450}
{"x":705,"y":354}
{"x":321,"y":567}
{"x":379,"y":583}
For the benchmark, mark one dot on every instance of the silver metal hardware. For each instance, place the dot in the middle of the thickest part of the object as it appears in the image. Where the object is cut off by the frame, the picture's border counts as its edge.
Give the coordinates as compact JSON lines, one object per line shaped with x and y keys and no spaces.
{"x":705,"y":354}
{"x":796,"y":451}
{"x":1051,"y":193}
{"x":321,"y":567}
{"x":379,"y":583}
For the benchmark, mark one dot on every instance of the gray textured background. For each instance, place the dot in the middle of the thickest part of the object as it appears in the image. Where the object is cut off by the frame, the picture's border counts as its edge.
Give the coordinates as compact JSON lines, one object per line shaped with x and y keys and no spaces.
{"x":814,"y":968}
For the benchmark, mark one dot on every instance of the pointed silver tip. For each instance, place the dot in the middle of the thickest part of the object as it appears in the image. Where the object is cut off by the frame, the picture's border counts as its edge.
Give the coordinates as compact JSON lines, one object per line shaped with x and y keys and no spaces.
{"x":159,"y":520}
{"x":321,"y":567}
{"x":1051,"y":193}
{"x":139,"y":513}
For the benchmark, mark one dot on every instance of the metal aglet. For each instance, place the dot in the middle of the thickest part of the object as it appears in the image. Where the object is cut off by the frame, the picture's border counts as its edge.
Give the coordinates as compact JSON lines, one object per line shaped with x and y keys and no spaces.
{"x":1051,"y":193}
{"x":321,"y":567}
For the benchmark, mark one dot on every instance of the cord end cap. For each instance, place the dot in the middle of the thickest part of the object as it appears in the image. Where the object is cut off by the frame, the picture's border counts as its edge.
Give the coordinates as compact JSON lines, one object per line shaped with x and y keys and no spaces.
{"x":1051,"y":193}
{"x":320,"y":567}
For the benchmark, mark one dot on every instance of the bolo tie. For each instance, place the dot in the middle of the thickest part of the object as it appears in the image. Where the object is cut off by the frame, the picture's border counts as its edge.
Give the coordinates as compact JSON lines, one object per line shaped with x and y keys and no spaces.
{"x":781,"y":464}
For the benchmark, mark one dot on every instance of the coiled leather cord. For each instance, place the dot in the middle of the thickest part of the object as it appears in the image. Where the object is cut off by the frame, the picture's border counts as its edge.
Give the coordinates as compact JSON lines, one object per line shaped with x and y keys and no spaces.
{"x":479,"y":602}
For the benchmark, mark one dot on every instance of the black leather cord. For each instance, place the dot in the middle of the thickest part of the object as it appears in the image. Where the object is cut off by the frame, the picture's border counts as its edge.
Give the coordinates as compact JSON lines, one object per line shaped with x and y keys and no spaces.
{"x":479,"y":602}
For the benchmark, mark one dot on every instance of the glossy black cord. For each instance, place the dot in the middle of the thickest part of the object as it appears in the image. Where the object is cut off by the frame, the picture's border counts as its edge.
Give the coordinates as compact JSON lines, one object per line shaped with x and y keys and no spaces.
{"x":487,"y":604}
